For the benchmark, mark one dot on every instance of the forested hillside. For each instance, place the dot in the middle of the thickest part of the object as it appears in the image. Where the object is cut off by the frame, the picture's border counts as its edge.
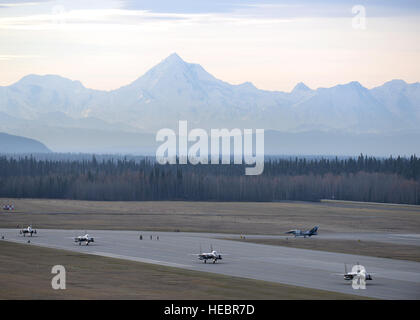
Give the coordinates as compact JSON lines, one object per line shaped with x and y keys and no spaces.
{"x":16,"y":144}
{"x":393,"y":180}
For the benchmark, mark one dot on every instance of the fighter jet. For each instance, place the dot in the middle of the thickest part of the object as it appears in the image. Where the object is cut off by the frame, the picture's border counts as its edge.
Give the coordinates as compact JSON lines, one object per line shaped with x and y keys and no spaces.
{"x":86,"y":238}
{"x":213,"y":255}
{"x":359,"y":271}
{"x":307,"y":233}
{"x":27,"y":230}
{"x":9,"y":207}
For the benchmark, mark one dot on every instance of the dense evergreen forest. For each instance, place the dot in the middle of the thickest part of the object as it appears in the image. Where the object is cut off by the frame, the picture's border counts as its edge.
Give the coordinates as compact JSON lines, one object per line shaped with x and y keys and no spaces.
{"x":394,"y":180}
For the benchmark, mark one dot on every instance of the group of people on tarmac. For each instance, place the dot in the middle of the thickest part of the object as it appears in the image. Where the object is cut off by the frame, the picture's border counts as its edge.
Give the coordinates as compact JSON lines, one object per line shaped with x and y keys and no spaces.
{"x":151,"y":237}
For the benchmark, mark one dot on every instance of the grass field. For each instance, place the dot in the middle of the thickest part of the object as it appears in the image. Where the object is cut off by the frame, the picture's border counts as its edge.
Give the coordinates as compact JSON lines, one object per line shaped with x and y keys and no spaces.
{"x":221,"y":217}
{"x":25,"y":273}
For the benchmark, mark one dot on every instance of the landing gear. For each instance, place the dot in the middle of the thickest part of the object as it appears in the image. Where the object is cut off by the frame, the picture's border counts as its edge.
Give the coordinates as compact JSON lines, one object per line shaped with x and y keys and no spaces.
{"x":205,"y":261}
{"x":80,"y":243}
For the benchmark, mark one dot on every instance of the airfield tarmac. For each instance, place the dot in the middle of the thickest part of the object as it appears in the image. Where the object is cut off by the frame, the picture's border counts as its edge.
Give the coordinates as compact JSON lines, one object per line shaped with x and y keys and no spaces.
{"x":392,"y":238}
{"x":392,"y":279}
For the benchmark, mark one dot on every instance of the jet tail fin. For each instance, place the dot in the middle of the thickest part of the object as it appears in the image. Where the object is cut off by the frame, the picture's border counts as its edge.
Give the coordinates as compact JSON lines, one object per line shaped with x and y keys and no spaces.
{"x":314,"y":230}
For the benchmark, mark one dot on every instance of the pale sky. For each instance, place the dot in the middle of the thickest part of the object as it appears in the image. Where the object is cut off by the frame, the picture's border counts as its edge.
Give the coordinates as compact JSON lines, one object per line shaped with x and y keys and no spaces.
{"x":273,"y":44}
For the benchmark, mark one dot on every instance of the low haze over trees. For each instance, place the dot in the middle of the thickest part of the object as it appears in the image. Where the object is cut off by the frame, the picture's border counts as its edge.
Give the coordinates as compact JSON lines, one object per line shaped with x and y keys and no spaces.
{"x":394,"y":180}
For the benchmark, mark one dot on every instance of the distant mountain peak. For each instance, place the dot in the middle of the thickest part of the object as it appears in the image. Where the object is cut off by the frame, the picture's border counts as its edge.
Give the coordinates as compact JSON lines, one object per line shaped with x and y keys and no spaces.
{"x":395,"y":83}
{"x":173,"y":58}
{"x":301,"y":87}
{"x":38,"y":77}
{"x":350,"y":86}
{"x":173,"y":72}
{"x":355,"y":84}
{"x":248,"y":85}
{"x":172,"y":63}
{"x":50,"y":80}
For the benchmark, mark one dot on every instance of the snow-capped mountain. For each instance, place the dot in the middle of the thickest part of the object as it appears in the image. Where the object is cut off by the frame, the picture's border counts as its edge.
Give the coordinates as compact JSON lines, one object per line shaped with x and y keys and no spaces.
{"x":402,"y":100}
{"x":176,"y":90}
{"x":351,"y":107}
{"x":34,"y":95}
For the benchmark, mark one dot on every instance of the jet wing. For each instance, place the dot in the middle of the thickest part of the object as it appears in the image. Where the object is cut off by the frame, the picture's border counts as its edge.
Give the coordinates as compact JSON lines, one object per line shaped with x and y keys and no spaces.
{"x":200,"y":255}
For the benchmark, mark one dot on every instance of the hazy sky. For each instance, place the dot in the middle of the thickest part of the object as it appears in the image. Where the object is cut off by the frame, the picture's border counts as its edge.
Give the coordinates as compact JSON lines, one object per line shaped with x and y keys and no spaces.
{"x":274,"y":44}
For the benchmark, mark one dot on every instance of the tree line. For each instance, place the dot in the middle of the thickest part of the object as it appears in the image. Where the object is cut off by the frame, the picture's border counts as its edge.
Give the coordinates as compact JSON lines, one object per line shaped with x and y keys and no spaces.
{"x":392,"y":180}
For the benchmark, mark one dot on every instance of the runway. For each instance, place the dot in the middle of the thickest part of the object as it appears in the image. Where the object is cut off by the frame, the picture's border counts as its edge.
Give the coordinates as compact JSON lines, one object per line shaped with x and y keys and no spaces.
{"x":394,"y":238}
{"x":392,"y":279}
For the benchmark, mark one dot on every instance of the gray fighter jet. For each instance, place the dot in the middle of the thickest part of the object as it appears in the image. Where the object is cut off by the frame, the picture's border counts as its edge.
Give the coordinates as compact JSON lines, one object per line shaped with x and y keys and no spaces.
{"x":307,"y":233}
{"x":86,"y":238}
{"x":27,"y":230}
{"x":212,"y":255}
{"x":357,"y":271}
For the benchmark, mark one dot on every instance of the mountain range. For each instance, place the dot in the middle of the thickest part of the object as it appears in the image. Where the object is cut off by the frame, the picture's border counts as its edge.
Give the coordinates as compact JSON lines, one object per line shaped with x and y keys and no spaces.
{"x":62,"y":112}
